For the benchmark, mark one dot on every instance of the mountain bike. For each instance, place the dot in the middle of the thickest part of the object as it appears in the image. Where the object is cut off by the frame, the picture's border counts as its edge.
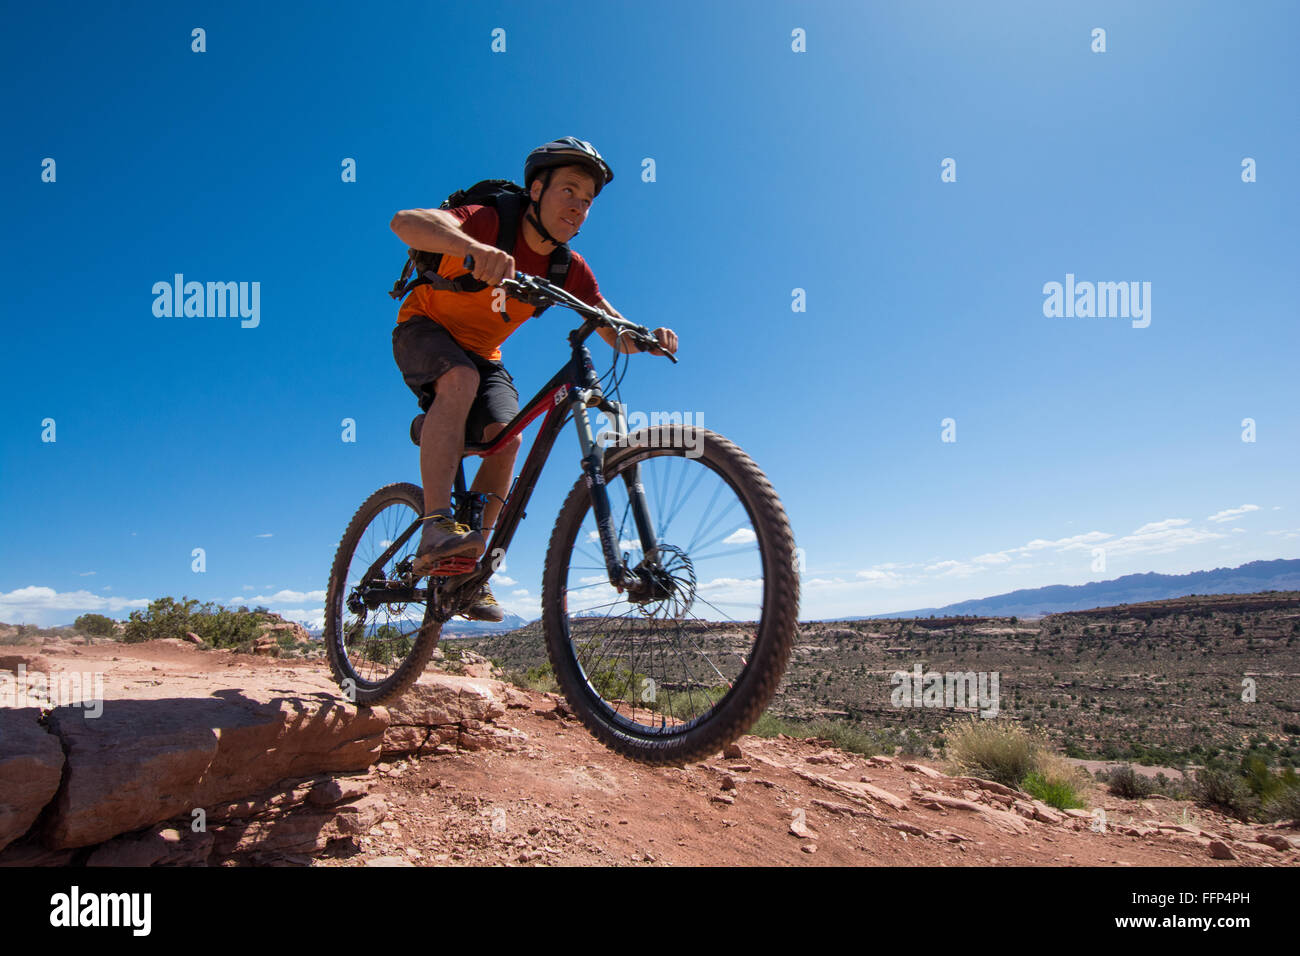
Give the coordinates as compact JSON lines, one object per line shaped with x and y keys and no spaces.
{"x":669,"y":595}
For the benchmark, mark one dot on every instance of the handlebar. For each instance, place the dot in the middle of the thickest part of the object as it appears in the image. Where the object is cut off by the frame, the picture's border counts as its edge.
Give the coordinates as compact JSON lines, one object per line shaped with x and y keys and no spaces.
{"x":535,"y":290}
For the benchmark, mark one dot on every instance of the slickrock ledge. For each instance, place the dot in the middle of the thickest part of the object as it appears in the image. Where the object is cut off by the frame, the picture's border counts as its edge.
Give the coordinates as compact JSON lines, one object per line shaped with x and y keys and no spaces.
{"x":142,"y":762}
{"x":31,"y":765}
{"x":174,"y":742}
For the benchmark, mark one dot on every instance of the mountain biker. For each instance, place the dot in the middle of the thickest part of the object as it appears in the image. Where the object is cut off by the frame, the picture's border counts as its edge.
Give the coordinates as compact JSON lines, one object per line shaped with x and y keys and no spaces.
{"x":446,"y":343}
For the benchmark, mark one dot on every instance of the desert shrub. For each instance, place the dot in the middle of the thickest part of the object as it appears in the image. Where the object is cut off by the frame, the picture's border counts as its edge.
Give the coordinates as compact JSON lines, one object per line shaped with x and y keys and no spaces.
{"x":96,"y":625}
{"x":1058,"y":793}
{"x":217,"y":625}
{"x":1127,"y":783}
{"x":164,"y":617}
{"x":1283,"y":806}
{"x":1056,"y":781}
{"x":844,"y":735}
{"x":539,"y":678}
{"x":1000,"y":750}
{"x":1221,"y":789}
{"x":223,"y":627}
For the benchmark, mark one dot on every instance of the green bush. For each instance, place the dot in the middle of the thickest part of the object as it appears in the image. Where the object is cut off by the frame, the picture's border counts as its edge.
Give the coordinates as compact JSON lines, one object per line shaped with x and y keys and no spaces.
{"x":1221,"y":789}
{"x":1283,"y":806}
{"x":164,"y":618}
{"x":1000,"y":750}
{"x":844,"y":735}
{"x":217,"y":625}
{"x":539,"y":678}
{"x":1127,"y":783}
{"x":96,"y":625}
{"x":1054,"y":792}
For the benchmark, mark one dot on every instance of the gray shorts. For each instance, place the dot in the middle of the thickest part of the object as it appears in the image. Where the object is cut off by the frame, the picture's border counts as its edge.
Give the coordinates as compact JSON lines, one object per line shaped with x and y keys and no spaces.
{"x":424,"y":351}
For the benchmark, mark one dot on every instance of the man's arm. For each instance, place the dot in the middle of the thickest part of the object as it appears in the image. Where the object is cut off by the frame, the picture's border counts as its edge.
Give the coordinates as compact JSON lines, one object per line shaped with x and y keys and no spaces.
{"x":431,"y":230}
{"x":436,"y":230}
{"x":667,"y":337}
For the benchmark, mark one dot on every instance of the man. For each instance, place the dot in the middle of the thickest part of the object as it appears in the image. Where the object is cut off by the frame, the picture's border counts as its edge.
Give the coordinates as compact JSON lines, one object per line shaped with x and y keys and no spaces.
{"x":447,"y":342}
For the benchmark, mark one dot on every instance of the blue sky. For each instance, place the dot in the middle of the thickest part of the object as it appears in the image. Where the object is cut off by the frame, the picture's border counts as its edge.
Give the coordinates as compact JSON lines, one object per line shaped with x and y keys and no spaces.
{"x":775,"y":170}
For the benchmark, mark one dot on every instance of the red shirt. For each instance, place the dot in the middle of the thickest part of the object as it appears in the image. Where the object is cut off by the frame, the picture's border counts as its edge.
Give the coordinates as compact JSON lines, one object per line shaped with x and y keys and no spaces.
{"x":469,"y":316}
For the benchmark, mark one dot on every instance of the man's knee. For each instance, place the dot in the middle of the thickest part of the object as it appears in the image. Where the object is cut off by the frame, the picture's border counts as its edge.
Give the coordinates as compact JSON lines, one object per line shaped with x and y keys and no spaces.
{"x":511,"y":448}
{"x":459,"y":381}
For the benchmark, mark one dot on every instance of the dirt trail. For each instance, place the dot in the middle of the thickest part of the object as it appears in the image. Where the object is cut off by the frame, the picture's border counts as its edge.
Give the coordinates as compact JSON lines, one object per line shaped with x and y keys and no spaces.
{"x":562,"y":798}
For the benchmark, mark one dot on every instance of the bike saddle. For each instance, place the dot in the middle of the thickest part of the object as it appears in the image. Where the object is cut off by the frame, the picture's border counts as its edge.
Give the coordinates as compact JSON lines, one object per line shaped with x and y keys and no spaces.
{"x":417,"y":426}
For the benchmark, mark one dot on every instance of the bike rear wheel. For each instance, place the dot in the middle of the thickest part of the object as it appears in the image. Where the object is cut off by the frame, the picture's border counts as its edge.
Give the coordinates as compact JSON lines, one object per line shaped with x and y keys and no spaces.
{"x":376,"y":649}
{"x":673,"y":678}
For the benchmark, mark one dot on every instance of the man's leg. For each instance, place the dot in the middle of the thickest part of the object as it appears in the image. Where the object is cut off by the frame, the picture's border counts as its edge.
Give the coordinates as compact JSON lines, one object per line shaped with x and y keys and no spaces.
{"x":494,"y":474}
{"x":442,"y":440}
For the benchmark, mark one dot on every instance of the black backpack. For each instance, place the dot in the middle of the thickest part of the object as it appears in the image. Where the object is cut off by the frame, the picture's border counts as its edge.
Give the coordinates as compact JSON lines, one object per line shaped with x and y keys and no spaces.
{"x":510,"y":201}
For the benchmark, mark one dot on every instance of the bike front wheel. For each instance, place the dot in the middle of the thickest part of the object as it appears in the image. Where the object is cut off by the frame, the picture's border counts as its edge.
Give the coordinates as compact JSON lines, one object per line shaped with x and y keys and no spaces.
{"x":675,"y":674}
{"x":379,"y":631}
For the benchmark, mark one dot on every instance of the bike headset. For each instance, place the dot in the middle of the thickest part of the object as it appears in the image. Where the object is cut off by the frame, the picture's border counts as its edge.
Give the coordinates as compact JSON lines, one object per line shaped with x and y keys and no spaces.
{"x":569,"y":151}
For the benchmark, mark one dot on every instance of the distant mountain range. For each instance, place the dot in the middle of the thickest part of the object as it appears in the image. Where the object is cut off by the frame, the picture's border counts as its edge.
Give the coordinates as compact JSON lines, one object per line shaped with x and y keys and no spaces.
{"x":458,"y":627}
{"x":1279,"y":575}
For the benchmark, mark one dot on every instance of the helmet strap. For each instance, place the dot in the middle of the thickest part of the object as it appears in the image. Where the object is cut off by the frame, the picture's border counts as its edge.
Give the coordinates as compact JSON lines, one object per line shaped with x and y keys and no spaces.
{"x":534,"y":214}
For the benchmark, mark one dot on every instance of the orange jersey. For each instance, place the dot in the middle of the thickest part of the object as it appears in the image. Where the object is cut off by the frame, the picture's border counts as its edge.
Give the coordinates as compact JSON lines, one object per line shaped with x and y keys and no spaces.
{"x":470,"y":316}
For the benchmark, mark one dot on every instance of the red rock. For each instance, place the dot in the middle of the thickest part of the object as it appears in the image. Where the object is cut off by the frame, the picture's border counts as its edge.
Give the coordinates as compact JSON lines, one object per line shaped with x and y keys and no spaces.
{"x":31,"y":766}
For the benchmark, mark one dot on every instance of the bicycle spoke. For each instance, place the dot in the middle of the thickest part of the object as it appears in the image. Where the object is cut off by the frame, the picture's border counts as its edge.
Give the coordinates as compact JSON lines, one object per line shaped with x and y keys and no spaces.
{"x":663,"y":641}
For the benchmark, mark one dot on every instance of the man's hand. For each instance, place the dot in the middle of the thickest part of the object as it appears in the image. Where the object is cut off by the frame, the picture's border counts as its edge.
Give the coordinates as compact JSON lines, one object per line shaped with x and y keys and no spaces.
{"x":491,"y":265}
{"x":667,"y":339}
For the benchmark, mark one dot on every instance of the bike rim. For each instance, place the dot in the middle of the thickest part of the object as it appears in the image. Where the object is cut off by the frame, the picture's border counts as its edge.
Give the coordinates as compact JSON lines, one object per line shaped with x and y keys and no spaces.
{"x":662,"y":668}
{"x":375,"y":640}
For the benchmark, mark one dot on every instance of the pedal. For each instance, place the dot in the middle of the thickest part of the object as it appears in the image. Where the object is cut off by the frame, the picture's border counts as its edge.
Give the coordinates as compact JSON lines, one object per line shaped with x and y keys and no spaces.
{"x":457,"y":564}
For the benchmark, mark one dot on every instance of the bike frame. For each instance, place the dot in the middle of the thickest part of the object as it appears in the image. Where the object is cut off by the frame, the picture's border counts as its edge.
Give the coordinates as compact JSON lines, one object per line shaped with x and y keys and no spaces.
{"x":574,"y":389}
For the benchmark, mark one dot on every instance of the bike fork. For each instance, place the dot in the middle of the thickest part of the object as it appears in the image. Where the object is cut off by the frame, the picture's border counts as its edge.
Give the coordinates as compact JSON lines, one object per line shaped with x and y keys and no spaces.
{"x":593,"y":469}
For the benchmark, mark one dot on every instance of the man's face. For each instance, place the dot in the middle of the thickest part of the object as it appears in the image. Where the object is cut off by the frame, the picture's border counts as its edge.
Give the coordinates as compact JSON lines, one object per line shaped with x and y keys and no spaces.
{"x":566,"y":201}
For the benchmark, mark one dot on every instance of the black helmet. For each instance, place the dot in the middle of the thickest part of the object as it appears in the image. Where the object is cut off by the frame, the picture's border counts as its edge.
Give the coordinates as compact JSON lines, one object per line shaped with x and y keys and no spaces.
{"x":567,"y":152}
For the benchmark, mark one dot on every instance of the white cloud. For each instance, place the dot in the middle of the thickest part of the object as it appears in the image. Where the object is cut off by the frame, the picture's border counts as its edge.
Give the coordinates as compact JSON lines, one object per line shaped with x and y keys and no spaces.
{"x":267,"y":535}
{"x":1162,"y":525}
{"x":86,"y":574}
{"x":1159,"y":542}
{"x":747,"y":584}
{"x":957,"y":569}
{"x":503,"y":580}
{"x":880,"y":576}
{"x":1232,"y":513}
{"x":279,"y":597}
{"x":740,"y":536}
{"x":47,"y":607}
